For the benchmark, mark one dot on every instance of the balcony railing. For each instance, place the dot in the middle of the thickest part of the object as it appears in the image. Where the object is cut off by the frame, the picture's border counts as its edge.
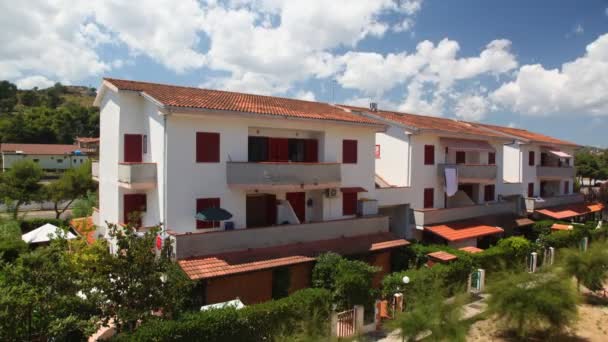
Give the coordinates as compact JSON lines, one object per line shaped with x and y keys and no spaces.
{"x":95,"y":169}
{"x":276,"y":175}
{"x":546,"y":202}
{"x":197,"y":244}
{"x":424,"y":217}
{"x":470,"y":171}
{"x":393,"y":196}
{"x":555,"y":172}
{"x":137,"y":175}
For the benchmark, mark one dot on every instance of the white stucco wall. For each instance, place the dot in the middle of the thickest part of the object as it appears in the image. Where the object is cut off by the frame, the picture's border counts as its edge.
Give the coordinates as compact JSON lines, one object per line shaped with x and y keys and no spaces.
{"x":393,"y":164}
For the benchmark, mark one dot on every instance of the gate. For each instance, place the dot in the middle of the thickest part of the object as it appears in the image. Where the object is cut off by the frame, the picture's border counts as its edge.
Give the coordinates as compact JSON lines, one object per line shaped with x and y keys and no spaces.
{"x":346,"y":323}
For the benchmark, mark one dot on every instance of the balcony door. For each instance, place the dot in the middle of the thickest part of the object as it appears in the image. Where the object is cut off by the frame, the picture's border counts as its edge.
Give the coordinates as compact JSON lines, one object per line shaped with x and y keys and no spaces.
{"x":297,"y":200}
{"x":461,"y":157}
{"x":261,"y":210}
{"x":133,"y":148}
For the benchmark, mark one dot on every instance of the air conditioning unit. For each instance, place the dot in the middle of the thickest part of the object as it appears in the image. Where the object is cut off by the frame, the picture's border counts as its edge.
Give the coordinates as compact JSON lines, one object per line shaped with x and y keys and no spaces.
{"x":332,"y":192}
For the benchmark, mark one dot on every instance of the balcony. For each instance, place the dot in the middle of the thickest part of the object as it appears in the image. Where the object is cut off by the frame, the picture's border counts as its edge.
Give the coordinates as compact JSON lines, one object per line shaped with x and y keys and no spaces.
{"x":137,"y":176}
{"x":424,"y":217}
{"x":555,"y":172}
{"x":95,"y":170}
{"x":392,"y":196}
{"x":471,"y":172}
{"x":555,"y":201}
{"x":197,"y":244}
{"x":277,"y":175}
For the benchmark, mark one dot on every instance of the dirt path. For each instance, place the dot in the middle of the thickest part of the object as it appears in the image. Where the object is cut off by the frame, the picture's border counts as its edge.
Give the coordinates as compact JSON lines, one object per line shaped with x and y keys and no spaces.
{"x":592,"y":326}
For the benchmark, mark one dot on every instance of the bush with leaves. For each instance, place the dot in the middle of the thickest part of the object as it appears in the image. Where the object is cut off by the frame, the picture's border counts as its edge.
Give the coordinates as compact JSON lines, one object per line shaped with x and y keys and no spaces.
{"x":71,"y":185}
{"x":509,"y":253}
{"x":20,"y":185}
{"x":531,"y":302}
{"x":350,"y":281}
{"x":590,"y":268}
{"x":11,"y":244}
{"x":84,"y":205}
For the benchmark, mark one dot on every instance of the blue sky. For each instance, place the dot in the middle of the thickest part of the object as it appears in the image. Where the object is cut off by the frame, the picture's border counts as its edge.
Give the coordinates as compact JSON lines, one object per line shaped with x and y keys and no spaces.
{"x":540,"y":65}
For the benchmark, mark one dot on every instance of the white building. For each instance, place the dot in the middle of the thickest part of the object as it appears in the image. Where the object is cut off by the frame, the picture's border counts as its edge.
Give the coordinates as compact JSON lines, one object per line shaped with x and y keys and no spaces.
{"x":294,"y":174}
{"x":50,"y":157}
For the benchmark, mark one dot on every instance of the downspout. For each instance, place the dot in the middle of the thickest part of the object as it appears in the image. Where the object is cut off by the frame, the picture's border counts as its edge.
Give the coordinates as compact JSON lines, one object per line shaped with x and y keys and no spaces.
{"x":164,"y":209}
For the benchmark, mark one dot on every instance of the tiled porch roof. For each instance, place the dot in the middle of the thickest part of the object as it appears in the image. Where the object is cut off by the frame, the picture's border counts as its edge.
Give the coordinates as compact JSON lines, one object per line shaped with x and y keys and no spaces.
{"x":462,"y":230}
{"x":571,"y":210}
{"x":265,"y":258}
{"x":471,"y":249}
{"x":557,"y":226}
{"x":442,"y":256}
{"x":84,"y":227}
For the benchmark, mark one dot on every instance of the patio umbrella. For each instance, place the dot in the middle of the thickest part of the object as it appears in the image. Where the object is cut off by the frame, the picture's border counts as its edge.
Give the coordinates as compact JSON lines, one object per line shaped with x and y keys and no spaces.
{"x":213,"y":214}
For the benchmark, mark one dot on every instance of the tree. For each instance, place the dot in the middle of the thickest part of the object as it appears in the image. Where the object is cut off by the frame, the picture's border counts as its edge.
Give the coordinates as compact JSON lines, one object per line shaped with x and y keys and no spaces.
{"x":41,"y":297}
{"x":134,"y":282}
{"x":434,"y":316}
{"x":71,"y":185}
{"x":84,"y":206}
{"x":8,"y":97}
{"x":529,"y":302}
{"x":21,"y":184}
{"x":590,"y":268}
{"x":11,"y":244}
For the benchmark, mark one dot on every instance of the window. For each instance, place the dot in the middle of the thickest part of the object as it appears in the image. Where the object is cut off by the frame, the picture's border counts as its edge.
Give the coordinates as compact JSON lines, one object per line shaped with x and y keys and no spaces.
{"x":377,"y":151}
{"x":349,"y":203}
{"x":531,"y":158}
{"x":429,"y":154}
{"x":349,"y":151}
{"x":207,"y":147}
{"x":488,"y":193}
{"x":59,"y":161}
{"x":461,"y":157}
{"x":492,"y":158}
{"x":204,"y":203}
{"x":530,"y":189}
{"x":566,"y":187}
{"x":36,"y":160}
{"x":258,"y":149}
{"x":296,"y":150}
{"x":429,"y":194}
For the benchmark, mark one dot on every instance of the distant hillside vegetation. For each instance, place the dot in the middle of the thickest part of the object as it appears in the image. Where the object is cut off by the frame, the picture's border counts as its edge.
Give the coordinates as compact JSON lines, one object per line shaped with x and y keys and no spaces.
{"x":55,"y":115}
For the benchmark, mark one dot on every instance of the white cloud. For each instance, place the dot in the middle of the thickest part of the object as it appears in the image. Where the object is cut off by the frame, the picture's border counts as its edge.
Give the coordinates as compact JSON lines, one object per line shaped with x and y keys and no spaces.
{"x":404,"y":25}
{"x":578,"y":86}
{"x":471,"y":107}
{"x":578,"y":29}
{"x":305,"y":95}
{"x":37,"y":81}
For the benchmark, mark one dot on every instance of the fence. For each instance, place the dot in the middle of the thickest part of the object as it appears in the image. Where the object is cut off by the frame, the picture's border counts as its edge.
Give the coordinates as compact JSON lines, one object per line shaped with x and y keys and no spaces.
{"x":346,"y":325}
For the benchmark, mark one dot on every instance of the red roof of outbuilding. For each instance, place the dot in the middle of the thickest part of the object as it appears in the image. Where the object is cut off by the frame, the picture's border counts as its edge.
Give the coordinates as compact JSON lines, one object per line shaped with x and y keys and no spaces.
{"x":42,"y":149}
{"x":84,"y":227}
{"x":471,"y":249}
{"x":571,"y":210}
{"x":190,"y":97}
{"x":557,"y":226}
{"x":442,"y":256}
{"x":264,"y":258}
{"x":461,"y":230}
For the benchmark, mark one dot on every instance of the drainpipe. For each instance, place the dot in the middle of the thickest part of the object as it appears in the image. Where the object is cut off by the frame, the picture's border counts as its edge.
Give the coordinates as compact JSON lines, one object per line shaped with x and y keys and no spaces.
{"x":164,"y":208}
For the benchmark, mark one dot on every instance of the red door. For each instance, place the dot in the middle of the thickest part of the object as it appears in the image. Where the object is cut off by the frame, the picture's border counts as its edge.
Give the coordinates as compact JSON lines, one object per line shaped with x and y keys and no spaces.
{"x":133,"y":203}
{"x":278,"y":149}
{"x":298,"y":203}
{"x":133,"y":148}
{"x":311,"y":151}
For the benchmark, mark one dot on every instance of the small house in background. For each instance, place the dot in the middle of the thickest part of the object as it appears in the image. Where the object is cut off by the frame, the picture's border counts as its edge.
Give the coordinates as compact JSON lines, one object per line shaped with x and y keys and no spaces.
{"x":51,"y":157}
{"x":90,"y":144}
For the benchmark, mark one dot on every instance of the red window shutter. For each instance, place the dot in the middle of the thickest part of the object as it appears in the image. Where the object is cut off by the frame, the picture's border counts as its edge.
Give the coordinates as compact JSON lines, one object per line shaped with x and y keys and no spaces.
{"x":461,"y":157}
{"x":133,"y":203}
{"x":207,"y":147}
{"x":349,"y":203}
{"x":492,"y":158}
{"x":566,"y":187}
{"x":311,"y":151}
{"x":429,"y":194}
{"x":203,"y":203}
{"x":271,"y":209}
{"x":349,"y":151}
{"x":278,"y":149}
{"x":530,"y":189}
{"x":488,"y":193}
{"x":429,"y":154}
{"x":133,"y":148}
{"x":377,"y":151}
{"x":531,"y":158}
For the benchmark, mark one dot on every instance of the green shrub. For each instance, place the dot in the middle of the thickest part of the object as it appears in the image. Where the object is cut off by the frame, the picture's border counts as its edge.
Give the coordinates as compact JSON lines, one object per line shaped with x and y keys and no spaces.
{"x":258,"y":322}
{"x":33,"y":223}
{"x":11,"y":244}
{"x":561,"y":239}
{"x":509,"y":253}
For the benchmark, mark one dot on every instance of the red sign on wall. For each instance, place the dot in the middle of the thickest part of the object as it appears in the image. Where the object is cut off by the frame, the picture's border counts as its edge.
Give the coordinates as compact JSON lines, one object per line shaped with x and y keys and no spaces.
{"x":377,"y":151}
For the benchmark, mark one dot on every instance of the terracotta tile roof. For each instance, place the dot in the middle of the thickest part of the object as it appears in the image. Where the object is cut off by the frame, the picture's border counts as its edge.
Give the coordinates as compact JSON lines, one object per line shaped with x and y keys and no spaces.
{"x":525,"y":134}
{"x":471,"y":249}
{"x":571,"y":210}
{"x":522,"y":222}
{"x":87,"y":139}
{"x":263,"y":258}
{"x":430,"y":122}
{"x":461,"y":230}
{"x":84,"y":227}
{"x":557,"y":226}
{"x":42,"y":149}
{"x":190,"y":97}
{"x":442,"y":256}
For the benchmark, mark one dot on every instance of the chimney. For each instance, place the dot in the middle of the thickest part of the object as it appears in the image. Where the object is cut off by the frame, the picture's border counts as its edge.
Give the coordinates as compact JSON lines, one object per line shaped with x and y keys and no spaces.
{"x":373,"y":106}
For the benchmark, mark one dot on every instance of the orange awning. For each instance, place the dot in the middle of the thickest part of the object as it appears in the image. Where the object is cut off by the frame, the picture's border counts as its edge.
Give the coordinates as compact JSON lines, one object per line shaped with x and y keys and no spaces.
{"x":211,"y":266}
{"x":571,"y":210}
{"x":471,"y":249}
{"x":442,"y":256}
{"x":461,"y":230}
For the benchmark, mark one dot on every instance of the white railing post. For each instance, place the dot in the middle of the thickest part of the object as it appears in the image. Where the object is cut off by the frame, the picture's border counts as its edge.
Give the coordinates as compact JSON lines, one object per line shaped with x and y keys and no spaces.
{"x":532,"y":262}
